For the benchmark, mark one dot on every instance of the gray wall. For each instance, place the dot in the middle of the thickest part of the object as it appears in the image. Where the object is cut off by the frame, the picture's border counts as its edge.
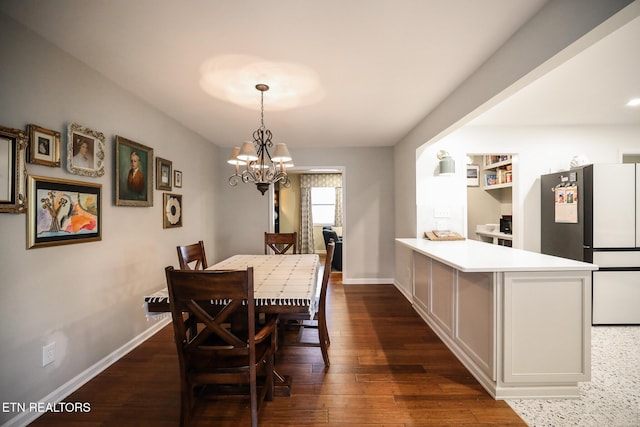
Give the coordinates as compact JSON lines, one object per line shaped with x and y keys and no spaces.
{"x":87,"y":297}
{"x":368,"y":247}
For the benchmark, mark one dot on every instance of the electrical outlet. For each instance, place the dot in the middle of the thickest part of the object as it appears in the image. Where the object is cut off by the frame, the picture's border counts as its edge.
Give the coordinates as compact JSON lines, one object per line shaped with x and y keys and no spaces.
{"x":441,"y":213}
{"x":442,"y":225}
{"x":48,"y":354}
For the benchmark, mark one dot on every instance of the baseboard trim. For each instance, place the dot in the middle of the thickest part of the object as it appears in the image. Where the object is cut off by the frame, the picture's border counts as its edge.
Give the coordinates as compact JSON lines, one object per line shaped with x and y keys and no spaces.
{"x":403,"y":291}
{"x":373,"y":281}
{"x":58,"y":395}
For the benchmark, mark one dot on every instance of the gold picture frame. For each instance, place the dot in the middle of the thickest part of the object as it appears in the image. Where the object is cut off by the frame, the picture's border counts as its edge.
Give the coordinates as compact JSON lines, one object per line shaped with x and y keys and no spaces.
{"x":85,"y":151}
{"x":172,"y":210}
{"x":63,"y":212}
{"x":13,"y":173}
{"x":177,"y":179}
{"x":163,"y":174}
{"x":134,"y":173}
{"x":44,"y":146}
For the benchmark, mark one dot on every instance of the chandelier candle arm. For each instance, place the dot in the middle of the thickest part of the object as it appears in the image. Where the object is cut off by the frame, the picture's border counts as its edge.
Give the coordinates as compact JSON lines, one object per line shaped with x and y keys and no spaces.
{"x":261,"y":168}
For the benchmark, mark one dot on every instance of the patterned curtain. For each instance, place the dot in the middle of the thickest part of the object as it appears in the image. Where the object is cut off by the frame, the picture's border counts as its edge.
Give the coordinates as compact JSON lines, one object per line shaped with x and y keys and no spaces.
{"x":321,"y":180}
{"x":338,"y":219}
{"x":306,"y":222}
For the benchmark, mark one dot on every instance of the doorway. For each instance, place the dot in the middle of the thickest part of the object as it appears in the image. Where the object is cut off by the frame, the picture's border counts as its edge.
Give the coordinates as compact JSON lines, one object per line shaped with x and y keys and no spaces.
{"x":490,"y":179}
{"x":285,"y":204}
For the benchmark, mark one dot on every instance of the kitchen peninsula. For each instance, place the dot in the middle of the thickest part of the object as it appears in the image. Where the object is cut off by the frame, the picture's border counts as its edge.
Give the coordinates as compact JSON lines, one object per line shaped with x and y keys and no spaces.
{"x":519,"y":321}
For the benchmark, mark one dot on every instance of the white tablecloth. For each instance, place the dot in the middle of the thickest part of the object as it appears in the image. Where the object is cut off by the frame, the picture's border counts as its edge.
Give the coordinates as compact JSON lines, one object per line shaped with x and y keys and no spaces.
{"x":278,"y":279}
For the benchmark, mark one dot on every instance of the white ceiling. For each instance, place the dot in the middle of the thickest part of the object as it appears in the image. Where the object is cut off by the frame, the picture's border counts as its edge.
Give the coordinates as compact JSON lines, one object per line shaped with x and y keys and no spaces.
{"x":593,"y":88}
{"x":383,"y":65}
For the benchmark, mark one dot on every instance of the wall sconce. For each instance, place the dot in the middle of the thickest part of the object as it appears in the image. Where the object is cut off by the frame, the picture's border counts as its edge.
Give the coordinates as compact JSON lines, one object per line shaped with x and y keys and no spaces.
{"x":447,"y":165}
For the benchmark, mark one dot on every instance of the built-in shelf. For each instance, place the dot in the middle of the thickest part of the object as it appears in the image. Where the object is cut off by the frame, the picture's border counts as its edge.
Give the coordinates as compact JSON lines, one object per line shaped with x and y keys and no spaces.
{"x":495,"y":237}
{"x":497,"y":164}
{"x":498,"y":186}
{"x":497,"y":172}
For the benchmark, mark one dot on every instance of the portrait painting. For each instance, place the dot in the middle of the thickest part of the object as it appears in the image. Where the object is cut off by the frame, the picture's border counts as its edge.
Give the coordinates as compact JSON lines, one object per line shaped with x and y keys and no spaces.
{"x":62,"y":212}
{"x":85,"y":151}
{"x":177,"y":179}
{"x":163,"y":174}
{"x":44,"y":146}
{"x":134,"y":173}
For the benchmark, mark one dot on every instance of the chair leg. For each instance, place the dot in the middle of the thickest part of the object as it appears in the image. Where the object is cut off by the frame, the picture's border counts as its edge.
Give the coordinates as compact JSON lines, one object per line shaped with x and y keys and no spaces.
{"x":186,"y":406}
{"x":269,"y":378}
{"x":323,"y":336}
{"x":253,"y":390}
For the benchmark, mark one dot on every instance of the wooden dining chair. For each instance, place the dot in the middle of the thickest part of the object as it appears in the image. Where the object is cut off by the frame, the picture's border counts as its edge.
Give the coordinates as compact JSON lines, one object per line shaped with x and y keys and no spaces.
{"x":228,"y":348}
{"x":192,"y":254}
{"x":319,"y":322}
{"x":280,"y":243}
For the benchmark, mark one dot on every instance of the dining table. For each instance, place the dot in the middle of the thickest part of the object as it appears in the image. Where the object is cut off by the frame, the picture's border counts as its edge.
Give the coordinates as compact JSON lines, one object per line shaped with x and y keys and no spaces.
{"x":282,"y":284}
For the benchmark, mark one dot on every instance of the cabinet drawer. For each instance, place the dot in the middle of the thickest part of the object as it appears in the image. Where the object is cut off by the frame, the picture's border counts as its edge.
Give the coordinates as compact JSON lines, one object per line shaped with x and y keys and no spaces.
{"x":617,"y":259}
{"x":616,"y":297}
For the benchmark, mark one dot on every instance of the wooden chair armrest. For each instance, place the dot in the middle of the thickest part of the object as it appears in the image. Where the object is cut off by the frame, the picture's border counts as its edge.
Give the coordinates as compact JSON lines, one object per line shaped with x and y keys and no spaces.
{"x":268,"y":329}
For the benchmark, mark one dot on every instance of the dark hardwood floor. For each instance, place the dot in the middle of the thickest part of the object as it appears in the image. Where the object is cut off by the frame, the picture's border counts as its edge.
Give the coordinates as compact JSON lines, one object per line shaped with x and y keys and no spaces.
{"x":387,"y":369}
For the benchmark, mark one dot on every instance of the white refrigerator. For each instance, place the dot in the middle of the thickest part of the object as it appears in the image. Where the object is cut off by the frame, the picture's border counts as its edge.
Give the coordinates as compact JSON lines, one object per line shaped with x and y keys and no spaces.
{"x":592,"y":214}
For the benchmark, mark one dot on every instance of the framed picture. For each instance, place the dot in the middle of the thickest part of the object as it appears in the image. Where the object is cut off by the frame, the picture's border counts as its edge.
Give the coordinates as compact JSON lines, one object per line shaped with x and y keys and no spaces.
{"x":44,"y":146}
{"x":473,"y":172}
{"x":134,"y":173}
{"x":85,"y":151}
{"x":172,"y":212}
{"x":62,"y":212}
{"x":163,"y":174}
{"x":13,"y":174}
{"x":177,"y":179}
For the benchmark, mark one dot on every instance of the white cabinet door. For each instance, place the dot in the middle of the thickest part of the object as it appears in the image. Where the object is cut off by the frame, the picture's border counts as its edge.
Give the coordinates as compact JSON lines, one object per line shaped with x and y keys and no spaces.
{"x":441,"y":295}
{"x":614,"y":205}
{"x":637,"y":205}
{"x":616,"y":297}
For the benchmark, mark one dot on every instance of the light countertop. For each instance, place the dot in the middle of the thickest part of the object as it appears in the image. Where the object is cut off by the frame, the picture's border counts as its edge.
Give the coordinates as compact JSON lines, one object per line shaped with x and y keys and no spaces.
{"x":475,"y":256}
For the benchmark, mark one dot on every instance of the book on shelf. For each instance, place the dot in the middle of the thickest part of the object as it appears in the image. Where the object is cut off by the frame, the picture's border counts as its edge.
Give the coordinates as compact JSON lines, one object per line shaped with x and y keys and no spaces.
{"x":490,"y":160}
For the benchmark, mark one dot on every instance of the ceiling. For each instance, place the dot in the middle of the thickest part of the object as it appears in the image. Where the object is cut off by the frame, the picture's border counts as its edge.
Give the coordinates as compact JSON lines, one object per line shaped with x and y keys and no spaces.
{"x":592,"y":88}
{"x":382,"y":66}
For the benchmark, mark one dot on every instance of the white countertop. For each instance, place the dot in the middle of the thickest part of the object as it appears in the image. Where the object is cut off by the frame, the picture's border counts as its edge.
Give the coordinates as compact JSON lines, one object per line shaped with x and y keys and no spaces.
{"x":474,"y":256}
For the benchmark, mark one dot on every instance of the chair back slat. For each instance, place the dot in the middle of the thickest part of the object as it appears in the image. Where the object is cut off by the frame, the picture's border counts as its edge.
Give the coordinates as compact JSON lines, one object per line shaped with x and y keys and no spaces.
{"x":192,"y":291}
{"x":280,"y":243}
{"x":192,"y":254}
{"x":326,"y":274}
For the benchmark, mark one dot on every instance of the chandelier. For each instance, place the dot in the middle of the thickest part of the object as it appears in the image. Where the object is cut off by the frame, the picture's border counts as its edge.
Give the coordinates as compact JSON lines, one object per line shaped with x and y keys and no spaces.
{"x":261,"y":168}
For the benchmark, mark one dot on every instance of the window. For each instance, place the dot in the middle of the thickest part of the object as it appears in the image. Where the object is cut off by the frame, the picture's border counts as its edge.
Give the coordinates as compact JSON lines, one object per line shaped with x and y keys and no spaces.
{"x":323,"y":205}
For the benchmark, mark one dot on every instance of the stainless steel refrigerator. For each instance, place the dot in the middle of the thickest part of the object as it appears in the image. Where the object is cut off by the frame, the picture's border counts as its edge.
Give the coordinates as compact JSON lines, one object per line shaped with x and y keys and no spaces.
{"x":592,"y":214}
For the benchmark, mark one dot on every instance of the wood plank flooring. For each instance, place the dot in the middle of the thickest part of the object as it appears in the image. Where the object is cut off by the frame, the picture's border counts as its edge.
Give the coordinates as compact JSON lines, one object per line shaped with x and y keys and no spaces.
{"x":387,"y":369}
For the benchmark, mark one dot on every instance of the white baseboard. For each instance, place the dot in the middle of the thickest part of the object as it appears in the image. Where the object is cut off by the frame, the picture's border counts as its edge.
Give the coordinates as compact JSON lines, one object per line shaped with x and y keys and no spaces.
{"x":58,"y":395}
{"x":403,"y":291}
{"x":374,"y":281}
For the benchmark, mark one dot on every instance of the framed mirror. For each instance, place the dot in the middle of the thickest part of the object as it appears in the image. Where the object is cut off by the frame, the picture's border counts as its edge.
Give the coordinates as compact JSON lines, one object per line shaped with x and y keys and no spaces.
{"x":13,"y":174}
